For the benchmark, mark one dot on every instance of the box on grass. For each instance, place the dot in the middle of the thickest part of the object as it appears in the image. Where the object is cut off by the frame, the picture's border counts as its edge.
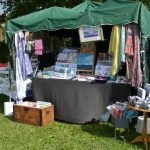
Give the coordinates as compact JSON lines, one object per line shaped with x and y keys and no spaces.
{"x":120,"y":123}
{"x":28,"y":112}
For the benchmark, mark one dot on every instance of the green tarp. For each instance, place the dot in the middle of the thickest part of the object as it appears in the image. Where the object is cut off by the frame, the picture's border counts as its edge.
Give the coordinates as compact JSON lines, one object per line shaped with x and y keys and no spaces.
{"x":87,"y":13}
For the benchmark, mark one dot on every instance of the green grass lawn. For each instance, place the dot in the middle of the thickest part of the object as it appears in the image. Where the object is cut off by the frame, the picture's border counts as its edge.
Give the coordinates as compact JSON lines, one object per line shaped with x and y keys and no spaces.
{"x":62,"y":136}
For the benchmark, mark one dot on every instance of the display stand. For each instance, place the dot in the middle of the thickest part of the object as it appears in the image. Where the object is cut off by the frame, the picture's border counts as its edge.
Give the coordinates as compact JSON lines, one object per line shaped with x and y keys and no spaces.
{"x":85,"y":71}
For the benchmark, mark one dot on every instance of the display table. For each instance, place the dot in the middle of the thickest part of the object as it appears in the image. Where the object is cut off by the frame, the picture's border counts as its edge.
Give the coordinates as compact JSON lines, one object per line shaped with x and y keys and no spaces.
{"x":143,"y":137}
{"x":76,"y":101}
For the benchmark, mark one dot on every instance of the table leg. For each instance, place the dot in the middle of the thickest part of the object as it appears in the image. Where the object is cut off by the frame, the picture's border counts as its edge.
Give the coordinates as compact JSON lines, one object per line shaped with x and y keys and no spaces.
{"x":145,"y":143}
{"x":148,"y":139}
{"x":143,"y":137}
{"x":144,"y":130}
{"x":137,"y":139}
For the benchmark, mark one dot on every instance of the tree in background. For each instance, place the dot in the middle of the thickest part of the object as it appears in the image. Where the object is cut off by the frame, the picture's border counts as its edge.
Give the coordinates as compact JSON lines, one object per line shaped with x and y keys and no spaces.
{"x":17,"y":8}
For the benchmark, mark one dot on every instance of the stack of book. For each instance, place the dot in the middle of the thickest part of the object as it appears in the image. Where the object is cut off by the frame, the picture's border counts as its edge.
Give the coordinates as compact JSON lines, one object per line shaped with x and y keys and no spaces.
{"x":66,"y":64}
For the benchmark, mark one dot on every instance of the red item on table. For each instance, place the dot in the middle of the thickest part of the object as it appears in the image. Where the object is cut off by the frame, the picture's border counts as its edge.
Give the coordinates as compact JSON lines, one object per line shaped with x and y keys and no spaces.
{"x":3,"y":65}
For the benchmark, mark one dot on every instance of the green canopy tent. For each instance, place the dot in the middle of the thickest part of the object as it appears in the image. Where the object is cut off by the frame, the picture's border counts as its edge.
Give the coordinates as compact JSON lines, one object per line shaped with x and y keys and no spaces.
{"x":87,"y":13}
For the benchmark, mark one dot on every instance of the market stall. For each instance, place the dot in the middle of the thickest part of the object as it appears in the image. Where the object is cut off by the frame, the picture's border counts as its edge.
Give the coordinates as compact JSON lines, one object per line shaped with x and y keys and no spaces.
{"x":88,"y":18}
{"x":108,"y":13}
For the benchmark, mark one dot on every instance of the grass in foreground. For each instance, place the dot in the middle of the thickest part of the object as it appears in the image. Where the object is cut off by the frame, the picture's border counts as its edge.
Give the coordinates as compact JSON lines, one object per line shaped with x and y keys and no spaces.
{"x":62,"y":136}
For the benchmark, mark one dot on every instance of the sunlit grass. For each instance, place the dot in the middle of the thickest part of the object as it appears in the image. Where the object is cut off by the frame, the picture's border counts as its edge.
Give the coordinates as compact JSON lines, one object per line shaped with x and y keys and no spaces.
{"x":62,"y":136}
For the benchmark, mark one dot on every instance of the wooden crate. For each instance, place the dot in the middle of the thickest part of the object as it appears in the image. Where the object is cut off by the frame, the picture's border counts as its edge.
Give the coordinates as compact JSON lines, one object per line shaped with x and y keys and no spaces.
{"x":27,"y":112}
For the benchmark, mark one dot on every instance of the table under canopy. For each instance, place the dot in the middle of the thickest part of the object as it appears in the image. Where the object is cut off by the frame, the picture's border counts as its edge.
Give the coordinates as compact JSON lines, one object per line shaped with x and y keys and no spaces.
{"x":78,"y":101}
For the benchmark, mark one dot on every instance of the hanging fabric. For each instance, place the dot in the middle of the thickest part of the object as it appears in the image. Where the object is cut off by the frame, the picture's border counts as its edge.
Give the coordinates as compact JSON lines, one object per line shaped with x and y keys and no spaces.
{"x":122,"y":44}
{"x":23,"y":65}
{"x":114,"y":46}
{"x":145,"y":55}
{"x":133,"y":59}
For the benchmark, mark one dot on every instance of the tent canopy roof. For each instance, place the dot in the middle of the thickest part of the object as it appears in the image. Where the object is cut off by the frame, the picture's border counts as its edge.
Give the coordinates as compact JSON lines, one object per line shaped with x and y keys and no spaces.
{"x":87,"y":13}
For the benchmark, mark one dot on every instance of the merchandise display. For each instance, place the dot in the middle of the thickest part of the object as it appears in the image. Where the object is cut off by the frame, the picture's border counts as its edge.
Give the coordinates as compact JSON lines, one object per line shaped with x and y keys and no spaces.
{"x":103,"y":65}
{"x":120,"y":110}
{"x":85,"y":78}
{"x":73,"y":61}
{"x":38,"y":47}
{"x":129,"y":34}
{"x":6,"y":87}
{"x":142,"y":99}
{"x":66,"y":64}
{"x":88,"y":47}
{"x":85,"y":61}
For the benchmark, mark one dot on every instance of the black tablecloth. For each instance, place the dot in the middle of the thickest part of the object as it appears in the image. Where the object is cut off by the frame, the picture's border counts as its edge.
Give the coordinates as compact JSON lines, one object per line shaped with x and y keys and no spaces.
{"x":76,"y":101}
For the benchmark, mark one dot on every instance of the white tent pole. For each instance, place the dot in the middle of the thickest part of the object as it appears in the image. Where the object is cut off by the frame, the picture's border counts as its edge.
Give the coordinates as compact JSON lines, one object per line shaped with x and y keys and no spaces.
{"x":9,"y":66}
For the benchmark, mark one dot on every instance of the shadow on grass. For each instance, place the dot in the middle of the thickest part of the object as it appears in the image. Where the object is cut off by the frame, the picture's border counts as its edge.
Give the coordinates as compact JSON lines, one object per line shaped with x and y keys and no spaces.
{"x":108,"y":131}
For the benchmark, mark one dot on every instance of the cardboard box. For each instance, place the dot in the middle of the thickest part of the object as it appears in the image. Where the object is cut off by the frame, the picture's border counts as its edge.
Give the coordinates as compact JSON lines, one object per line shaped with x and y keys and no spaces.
{"x":27,"y":112}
